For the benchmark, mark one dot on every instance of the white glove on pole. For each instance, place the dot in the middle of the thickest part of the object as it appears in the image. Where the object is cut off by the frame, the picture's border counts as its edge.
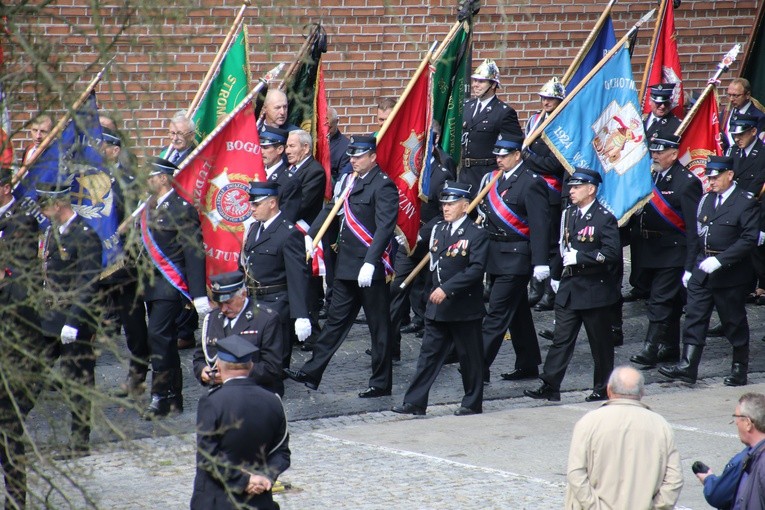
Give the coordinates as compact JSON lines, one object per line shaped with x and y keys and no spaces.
{"x":310,"y":251}
{"x":569,"y":258}
{"x":710,"y":264}
{"x":365,"y":275}
{"x":68,"y":334}
{"x":541,"y":272}
{"x":686,"y":277}
{"x":302,"y":329}
{"x":555,"y":285}
{"x":202,"y":305}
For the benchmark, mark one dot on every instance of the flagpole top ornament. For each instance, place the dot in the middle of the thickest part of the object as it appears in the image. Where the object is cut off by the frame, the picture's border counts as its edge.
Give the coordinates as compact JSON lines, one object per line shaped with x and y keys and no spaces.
{"x":646,"y":17}
{"x":274,"y":73}
{"x":729,"y":57}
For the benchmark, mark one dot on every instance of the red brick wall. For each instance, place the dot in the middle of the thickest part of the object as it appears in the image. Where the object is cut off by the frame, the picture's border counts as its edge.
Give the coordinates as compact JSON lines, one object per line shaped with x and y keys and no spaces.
{"x":374,"y":47}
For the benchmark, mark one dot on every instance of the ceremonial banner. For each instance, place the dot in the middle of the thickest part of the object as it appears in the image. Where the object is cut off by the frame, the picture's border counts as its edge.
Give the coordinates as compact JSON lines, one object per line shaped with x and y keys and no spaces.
{"x":604,"y":41}
{"x":753,"y":64}
{"x":664,"y":63}
{"x":217,"y":181}
{"x":6,"y":147}
{"x":701,"y":138}
{"x":449,"y":92}
{"x":601,"y":128}
{"x":402,"y":148}
{"x":227,"y":89}
{"x":307,"y":103}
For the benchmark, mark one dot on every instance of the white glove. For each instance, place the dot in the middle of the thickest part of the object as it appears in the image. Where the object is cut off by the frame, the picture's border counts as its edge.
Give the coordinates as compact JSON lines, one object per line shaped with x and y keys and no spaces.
{"x":555,"y":285}
{"x":569,"y":258}
{"x":68,"y":334}
{"x":302,"y":329}
{"x":365,"y":274}
{"x":541,"y":272}
{"x":686,"y":277}
{"x":761,"y":239}
{"x":310,"y":251}
{"x":202,"y":305}
{"x":401,"y":240}
{"x":710,"y":264}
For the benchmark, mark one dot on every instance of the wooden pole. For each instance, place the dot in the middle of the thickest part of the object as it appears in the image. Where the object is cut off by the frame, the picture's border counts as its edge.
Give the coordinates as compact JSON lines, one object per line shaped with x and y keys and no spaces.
{"x":59,"y":127}
{"x":215,"y":66}
{"x":618,"y":46}
{"x":446,"y":41}
{"x":204,"y":143}
{"x":301,"y":53}
{"x":652,"y":50}
{"x":332,"y":213}
{"x":587,"y":44}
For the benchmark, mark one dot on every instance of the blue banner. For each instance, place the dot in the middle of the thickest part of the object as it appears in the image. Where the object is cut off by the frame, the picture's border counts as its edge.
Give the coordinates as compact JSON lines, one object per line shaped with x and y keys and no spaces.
{"x":603,"y":42}
{"x":601,"y":128}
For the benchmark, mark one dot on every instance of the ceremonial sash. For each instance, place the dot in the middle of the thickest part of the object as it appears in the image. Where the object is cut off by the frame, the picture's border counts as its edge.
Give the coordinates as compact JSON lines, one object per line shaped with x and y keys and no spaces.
{"x":363,"y":235}
{"x":553,"y":182}
{"x":666,"y":212}
{"x":505,"y":214}
{"x":165,"y":266}
{"x":318,"y":267}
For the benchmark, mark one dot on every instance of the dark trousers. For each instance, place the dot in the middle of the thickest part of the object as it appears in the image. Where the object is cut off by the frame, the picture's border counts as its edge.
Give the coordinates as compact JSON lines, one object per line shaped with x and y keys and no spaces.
{"x":163,"y":332}
{"x":132,"y":312}
{"x":347,"y":299}
{"x":731,"y":307}
{"x":78,"y":365}
{"x":279,"y":303}
{"x":436,"y":343}
{"x":665,"y":299}
{"x":509,"y":308}
{"x":758,"y":262}
{"x":568,"y":322}
{"x":187,"y":322}
{"x":402,"y":299}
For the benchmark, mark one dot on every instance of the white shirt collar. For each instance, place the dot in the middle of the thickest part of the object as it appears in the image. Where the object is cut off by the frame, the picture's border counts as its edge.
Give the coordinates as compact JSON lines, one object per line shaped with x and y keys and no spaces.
{"x":231,"y":322}
{"x":727,"y":193}
{"x":583,"y":210}
{"x":268,"y":222}
{"x":164,"y":197}
{"x":512,"y":170}
{"x":456,"y":223}
{"x":7,"y":206}
{"x":271,"y":169}
{"x":62,"y":228}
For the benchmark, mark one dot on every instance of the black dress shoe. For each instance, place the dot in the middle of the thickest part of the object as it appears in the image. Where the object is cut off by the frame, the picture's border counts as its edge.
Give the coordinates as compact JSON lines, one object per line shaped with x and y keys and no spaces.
{"x":301,"y":377}
{"x":412,"y":327}
{"x":159,"y":407}
{"x":544,"y":392}
{"x":465,"y":411}
{"x":408,"y":408}
{"x":521,"y":373}
{"x":547,"y":334}
{"x":544,"y":305}
{"x":374,"y":392}
{"x":596,"y":396}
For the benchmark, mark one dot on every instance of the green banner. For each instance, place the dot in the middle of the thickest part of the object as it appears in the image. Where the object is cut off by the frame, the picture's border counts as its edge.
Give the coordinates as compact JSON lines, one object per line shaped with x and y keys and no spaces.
{"x":449,"y":91}
{"x":227,"y":89}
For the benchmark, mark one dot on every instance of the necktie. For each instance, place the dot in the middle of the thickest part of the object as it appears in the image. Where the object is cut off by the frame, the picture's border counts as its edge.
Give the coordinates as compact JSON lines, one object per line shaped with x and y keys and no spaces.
{"x":742,"y":154}
{"x":175,"y":158}
{"x":718,"y":203}
{"x":658,"y":178}
{"x":292,"y":170}
{"x":227,"y":328}
{"x":478,"y":108}
{"x":260,"y":231}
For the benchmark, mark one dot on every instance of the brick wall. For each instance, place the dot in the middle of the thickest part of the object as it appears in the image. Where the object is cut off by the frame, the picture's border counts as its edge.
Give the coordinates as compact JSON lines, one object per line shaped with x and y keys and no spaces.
{"x":162,"y":53}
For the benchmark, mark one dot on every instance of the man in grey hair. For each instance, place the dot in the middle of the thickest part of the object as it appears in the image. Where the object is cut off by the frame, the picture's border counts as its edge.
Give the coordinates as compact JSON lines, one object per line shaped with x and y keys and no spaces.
{"x":634,"y":436}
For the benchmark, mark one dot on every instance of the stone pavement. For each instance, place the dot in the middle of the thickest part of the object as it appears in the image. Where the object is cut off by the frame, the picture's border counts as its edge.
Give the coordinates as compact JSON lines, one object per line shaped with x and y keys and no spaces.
{"x":512,"y":456}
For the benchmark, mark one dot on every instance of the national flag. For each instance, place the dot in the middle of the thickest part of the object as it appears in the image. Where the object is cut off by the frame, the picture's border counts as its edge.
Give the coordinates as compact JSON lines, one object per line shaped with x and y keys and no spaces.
{"x":451,"y":68}
{"x":226,"y":89}
{"x":217,"y":181}
{"x":601,"y":44}
{"x":664,"y":63}
{"x":701,"y":138}
{"x":75,"y":158}
{"x":402,"y":148}
{"x":601,"y":128}
{"x":307,"y":102}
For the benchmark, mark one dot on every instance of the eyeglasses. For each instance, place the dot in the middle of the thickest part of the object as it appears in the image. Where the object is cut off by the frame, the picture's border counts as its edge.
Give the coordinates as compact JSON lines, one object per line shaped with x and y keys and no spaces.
{"x":739,"y":416}
{"x":173,"y":134}
{"x":735,"y":96}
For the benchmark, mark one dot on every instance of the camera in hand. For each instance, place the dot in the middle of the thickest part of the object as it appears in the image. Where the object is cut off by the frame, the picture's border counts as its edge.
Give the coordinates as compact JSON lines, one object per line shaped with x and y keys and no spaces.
{"x":699,"y":467}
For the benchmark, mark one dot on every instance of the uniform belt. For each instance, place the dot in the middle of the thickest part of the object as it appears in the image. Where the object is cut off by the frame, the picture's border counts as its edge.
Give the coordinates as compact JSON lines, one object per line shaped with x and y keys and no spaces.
{"x":651,"y":234}
{"x":569,"y":271}
{"x":507,"y":238}
{"x":267,"y":289}
{"x":468,"y":162}
{"x":712,"y":253}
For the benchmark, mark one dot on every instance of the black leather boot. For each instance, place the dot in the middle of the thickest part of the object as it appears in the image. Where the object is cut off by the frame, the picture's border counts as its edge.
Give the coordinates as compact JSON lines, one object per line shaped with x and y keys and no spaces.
{"x":548,"y":300}
{"x":669,"y":350}
{"x":688,"y":368}
{"x":163,"y":400}
{"x":739,"y":367}
{"x":649,"y":355}
{"x":536,"y":290}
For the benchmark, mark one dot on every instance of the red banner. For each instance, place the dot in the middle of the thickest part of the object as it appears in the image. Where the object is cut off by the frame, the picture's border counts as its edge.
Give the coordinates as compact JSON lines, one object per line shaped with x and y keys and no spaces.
{"x":401,"y":151}
{"x":322,"y":131}
{"x":702,"y":138}
{"x":665,"y":64}
{"x":217,"y":180}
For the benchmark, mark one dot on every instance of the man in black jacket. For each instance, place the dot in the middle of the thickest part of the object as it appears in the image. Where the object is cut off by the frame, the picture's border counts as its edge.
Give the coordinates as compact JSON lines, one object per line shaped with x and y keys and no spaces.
{"x":728,"y":228}
{"x":369,"y":212}
{"x":458,"y":250}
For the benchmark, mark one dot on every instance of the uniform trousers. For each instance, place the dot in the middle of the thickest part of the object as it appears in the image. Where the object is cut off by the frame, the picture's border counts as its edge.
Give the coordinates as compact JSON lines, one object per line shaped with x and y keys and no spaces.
{"x":132,"y":312}
{"x":436,"y":344}
{"x":509,"y":307}
{"x":731,"y":307}
{"x":758,"y":262}
{"x":402,"y":299}
{"x":665,"y":299}
{"x":78,"y":365}
{"x":347,"y":299}
{"x":279,"y":303}
{"x":568,"y":322}
{"x":473,"y":175}
{"x":162,"y":331}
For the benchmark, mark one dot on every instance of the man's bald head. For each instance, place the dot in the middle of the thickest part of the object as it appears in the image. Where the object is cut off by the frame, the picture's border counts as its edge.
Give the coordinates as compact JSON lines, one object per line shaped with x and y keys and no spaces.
{"x":626,"y":382}
{"x":275,"y":108}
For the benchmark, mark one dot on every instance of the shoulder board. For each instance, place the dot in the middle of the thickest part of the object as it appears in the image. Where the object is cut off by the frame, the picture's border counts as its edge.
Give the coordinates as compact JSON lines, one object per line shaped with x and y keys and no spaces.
{"x":85,"y":228}
{"x":183,"y":202}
